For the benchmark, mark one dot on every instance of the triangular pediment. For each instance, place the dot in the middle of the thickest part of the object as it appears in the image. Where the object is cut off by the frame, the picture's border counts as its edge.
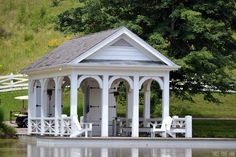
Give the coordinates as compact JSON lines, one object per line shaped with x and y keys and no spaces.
{"x":124,"y":45}
{"x":121,"y":50}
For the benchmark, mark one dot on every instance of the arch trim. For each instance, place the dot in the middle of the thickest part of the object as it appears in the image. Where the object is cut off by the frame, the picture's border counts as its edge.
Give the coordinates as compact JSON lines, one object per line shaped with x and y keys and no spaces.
{"x":82,"y":78}
{"x":158,"y":79}
{"x":126,"y":78}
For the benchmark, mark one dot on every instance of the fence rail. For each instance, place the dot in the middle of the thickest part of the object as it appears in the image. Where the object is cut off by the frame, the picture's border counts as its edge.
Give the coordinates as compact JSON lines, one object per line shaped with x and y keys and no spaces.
{"x":13,"y":82}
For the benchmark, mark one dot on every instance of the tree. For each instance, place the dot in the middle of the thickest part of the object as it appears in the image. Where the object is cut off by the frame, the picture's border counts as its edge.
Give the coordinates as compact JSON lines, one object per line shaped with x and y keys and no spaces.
{"x":197,"y":35}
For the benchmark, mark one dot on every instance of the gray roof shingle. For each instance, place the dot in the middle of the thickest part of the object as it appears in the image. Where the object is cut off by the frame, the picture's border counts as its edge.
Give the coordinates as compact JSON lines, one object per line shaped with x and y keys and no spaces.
{"x":70,"y":50}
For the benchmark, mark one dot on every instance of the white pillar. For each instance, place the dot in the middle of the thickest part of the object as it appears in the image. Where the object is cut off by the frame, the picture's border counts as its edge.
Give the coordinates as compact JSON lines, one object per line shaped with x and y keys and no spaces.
{"x":165,"y":97}
{"x":31,"y":105}
{"x":57,"y":97}
{"x":43,"y":103}
{"x":188,"y":126}
{"x":57,"y":103}
{"x":73,"y":95}
{"x":135,"y":116}
{"x":104,"y":123}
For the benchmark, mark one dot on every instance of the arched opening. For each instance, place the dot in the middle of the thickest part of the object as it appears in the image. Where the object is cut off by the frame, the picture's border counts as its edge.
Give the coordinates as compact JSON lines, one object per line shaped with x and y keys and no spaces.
{"x":120,"y":103}
{"x":37,"y":99}
{"x":65,"y":95}
{"x":49,"y":108}
{"x":90,"y":103}
{"x":151,"y":98}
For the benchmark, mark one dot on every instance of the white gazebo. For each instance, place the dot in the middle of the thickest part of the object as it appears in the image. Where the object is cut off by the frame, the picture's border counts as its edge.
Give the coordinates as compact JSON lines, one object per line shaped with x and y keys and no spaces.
{"x":96,"y":64}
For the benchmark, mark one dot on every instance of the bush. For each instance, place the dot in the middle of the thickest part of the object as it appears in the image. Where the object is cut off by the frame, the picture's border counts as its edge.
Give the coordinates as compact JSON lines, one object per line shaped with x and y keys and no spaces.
{"x":7,"y":131}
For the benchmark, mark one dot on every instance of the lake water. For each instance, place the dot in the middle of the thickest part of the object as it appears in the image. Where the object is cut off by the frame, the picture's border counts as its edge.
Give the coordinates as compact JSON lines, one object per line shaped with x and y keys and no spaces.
{"x":16,"y":148}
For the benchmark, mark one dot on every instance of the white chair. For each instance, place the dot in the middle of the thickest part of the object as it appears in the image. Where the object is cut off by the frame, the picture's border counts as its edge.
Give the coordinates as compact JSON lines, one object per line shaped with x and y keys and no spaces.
{"x":78,"y":130}
{"x":165,"y":127}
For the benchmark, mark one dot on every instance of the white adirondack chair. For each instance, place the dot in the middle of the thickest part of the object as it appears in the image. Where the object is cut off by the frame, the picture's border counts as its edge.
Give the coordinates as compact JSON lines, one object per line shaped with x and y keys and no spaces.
{"x":165,"y":128}
{"x":78,"y":130}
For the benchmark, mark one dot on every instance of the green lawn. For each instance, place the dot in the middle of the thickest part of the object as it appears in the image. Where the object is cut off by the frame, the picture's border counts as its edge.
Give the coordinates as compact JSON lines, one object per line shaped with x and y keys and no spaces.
{"x":201,"y":108}
{"x":214,"y":128}
{"x":8,"y":103}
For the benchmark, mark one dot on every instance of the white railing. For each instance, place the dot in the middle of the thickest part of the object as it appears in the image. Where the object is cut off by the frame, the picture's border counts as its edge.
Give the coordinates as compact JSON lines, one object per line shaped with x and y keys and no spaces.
{"x":13,"y":82}
{"x":182,"y":126}
{"x":179,"y":127}
{"x":34,"y":126}
{"x":65,"y":127}
{"x":55,"y":126}
{"x":50,"y":126}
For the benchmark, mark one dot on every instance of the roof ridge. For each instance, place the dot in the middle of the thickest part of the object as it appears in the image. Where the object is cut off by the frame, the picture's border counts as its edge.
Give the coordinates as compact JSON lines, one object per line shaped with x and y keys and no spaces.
{"x":95,"y":33}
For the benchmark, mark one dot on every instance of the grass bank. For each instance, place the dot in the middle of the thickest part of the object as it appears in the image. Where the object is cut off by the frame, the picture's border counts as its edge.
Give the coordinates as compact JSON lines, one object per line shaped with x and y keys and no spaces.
{"x":214,"y":128}
{"x":27,"y":31}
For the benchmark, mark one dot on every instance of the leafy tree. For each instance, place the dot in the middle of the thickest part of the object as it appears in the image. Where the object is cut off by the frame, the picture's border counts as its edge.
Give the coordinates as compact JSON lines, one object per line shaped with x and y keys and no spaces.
{"x":197,"y":35}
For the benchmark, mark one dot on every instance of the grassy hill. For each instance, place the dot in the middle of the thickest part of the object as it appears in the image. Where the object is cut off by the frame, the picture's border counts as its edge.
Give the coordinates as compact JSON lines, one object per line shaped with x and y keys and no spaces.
{"x":27,"y":31}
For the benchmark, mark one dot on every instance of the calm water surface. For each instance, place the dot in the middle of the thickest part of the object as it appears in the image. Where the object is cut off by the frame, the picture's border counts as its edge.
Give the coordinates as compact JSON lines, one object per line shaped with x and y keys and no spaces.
{"x":16,"y":148}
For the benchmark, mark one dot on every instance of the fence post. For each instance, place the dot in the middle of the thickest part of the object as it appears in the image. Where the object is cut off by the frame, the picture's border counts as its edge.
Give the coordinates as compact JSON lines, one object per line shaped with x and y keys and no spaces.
{"x":188,"y":126}
{"x":29,"y":129}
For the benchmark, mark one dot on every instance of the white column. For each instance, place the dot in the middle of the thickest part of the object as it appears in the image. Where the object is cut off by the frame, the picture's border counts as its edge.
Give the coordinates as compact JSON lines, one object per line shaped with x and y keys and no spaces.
{"x":104,"y":125}
{"x":43,"y":103}
{"x":73,"y":95}
{"x":188,"y":126}
{"x":165,"y":97}
{"x":57,"y":97}
{"x":135,"y":116}
{"x":57,"y":103}
{"x":31,"y":105}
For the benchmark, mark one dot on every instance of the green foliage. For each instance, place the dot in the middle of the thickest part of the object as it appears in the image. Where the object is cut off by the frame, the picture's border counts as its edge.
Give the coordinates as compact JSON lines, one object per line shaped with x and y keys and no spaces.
{"x":197,"y":35}
{"x":6,"y":130}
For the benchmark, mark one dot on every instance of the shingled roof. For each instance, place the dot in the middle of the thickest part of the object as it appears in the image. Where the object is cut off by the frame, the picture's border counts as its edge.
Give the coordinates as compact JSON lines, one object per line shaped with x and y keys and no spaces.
{"x":70,"y":50}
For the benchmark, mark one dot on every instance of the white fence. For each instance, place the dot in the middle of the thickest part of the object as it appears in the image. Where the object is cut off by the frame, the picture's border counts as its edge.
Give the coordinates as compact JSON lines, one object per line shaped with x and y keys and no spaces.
{"x":13,"y":82}
{"x":180,"y":126}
